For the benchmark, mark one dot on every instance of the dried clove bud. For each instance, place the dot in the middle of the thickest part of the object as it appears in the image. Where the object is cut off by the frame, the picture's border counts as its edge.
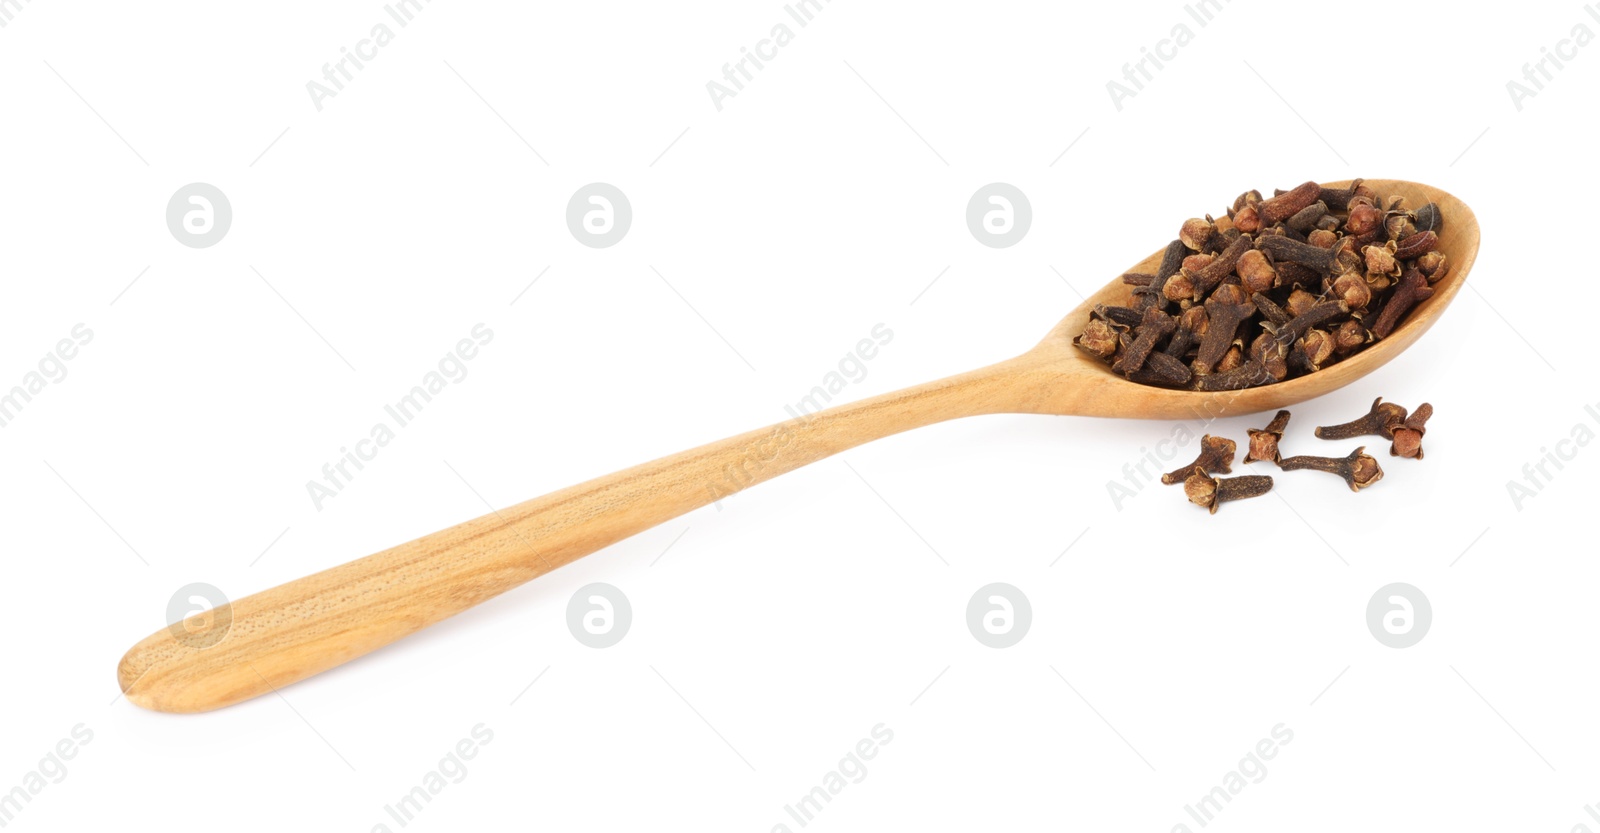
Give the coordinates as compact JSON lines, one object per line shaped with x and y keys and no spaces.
{"x":1306,"y":218}
{"x":1232,"y":359}
{"x":1216,"y":455}
{"x":1205,"y":491}
{"x":1397,"y":225}
{"x":1255,"y":272}
{"x":1300,"y":302}
{"x":1155,"y":326}
{"x":1251,"y":197}
{"x":1417,"y":245}
{"x":1126,"y":316}
{"x":1312,"y":351}
{"x":1247,"y":220}
{"x":1380,"y":261}
{"x":1289,"y":203}
{"x":1412,"y":289}
{"x":1301,"y":324}
{"x":1297,"y":276}
{"x":1338,"y":199}
{"x":1208,"y":277}
{"x":1380,"y":421}
{"x":1274,"y":314}
{"x":1346,"y":256}
{"x":1408,"y":437}
{"x":1171,"y":262}
{"x":1353,"y":290}
{"x":1197,"y":233}
{"x":1350,"y":336}
{"x":1226,"y":309}
{"x":1428,"y":218}
{"x":1282,"y":249}
{"x":1192,"y":326}
{"x":1099,"y":338}
{"x":1161,"y":369}
{"x":1270,"y":356}
{"x":1359,"y":469}
{"x":1363,"y":219}
{"x":1434,"y":265}
{"x":1247,"y":375}
{"x":1264,"y":442}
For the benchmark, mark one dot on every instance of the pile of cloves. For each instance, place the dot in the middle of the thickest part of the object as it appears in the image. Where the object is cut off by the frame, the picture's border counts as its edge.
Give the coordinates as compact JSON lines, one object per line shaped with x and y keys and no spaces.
{"x":1358,"y":468}
{"x":1280,"y":287}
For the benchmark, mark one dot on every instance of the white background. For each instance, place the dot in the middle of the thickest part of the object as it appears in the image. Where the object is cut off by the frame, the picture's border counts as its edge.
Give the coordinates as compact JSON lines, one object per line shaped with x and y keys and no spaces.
{"x":780,"y":628}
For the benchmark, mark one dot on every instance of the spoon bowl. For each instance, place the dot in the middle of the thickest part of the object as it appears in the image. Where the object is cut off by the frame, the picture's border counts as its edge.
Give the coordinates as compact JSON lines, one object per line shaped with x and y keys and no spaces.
{"x":1087,"y":387}
{"x":260,"y":643}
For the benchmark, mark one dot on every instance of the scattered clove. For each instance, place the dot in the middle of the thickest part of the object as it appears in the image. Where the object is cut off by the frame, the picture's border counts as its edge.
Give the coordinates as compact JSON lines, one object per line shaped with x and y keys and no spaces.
{"x":1216,"y":455}
{"x":1359,"y":469}
{"x":1264,"y":442}
{"x":1408,"y":437}
{"x":1204,"y":490}
{"x":1380,"y":421}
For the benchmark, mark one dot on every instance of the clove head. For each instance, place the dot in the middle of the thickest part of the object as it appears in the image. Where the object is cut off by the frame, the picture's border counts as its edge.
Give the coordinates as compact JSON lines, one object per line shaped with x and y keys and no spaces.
{"x":1264,"y":442}
{"x":1099,"y":338}
{"x":1216,"y":455}
{"x":1255,"y":273}
{"x":1209,"y":492}
{"x":1197,"y":233}
{"x":1349,"y":336}
{"x":1408,"y":437}
{"x":1201,"y":489}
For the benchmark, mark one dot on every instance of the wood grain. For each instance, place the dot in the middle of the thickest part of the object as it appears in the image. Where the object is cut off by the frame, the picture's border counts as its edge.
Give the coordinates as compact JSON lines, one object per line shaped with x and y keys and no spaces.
{"x":290,"y":632}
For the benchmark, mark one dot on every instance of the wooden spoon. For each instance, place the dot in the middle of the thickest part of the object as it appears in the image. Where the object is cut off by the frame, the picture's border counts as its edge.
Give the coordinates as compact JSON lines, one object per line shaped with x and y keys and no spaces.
{"x":288,"y":633}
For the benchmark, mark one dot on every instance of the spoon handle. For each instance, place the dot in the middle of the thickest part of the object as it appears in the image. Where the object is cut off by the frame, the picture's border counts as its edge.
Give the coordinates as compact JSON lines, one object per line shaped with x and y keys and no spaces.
{"x":279,"y":636}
